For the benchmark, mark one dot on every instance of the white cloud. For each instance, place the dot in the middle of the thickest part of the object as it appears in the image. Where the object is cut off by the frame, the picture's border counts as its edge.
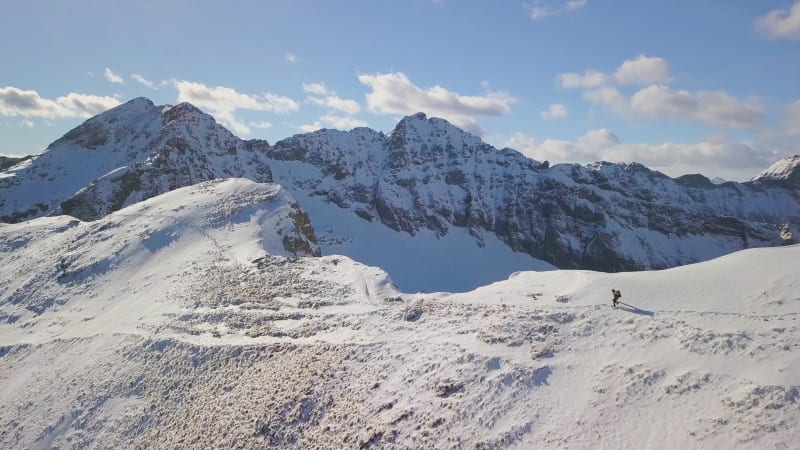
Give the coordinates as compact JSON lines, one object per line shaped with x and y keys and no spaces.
{"x":28,"y":104}
{"x":291,"y":57}
{"x":792,"y":121}
{"x":540,"y":9}
{"x":643,"y":70}
{"x":610,"y":97}
{"x":26,"y":124}
{"x":716,"y":156}
{"x":780,"y":23}
{"x":714,"y":107}
{"x":589,"y":79}
{"x":658,"y":100}
{"x":261,"y":124}
{"x":336,"y":122}
{"x":141,"y":80}
{"x":394,"y":93}
{"x":553,"y":150}
{"x":222,"y":102}
{"x":602,"y":138}
{"x":555,"y":111}
{"x":329,"y":99}
{"x":339,"y":104}
{"x":112,"y":77}
{"x":315,"y":88}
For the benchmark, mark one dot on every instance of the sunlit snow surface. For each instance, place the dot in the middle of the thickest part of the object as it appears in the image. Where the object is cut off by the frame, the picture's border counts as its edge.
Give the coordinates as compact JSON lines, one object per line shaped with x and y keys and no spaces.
{"x":169,"y":325}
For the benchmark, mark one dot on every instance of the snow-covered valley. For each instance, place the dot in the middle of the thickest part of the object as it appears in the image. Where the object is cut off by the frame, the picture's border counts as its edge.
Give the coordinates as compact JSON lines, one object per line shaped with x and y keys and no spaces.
{"x":189,"y":321}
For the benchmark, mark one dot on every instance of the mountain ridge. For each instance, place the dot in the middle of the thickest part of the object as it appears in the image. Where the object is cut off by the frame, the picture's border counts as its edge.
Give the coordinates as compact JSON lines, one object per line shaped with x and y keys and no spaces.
{"x":426,"y":174}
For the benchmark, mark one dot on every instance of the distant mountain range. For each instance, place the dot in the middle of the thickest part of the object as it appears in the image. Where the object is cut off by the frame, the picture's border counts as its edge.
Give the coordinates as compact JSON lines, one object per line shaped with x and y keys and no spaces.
{"x":424,"y":176}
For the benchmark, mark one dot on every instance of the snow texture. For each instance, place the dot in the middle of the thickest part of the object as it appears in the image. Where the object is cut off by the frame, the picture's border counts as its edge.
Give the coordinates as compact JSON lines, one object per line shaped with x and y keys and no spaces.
{"x":182,"y":322}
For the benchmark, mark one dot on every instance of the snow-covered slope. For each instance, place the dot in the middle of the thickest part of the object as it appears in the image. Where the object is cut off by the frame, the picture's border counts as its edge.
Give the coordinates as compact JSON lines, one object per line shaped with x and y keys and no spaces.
{"x":55,"y":261}
{"x":127,"y":154}
{"x":786,"y":170}
{"x":429,"y":176}
{"x":183,"y":322}
{"x":7,"y":161}
{"x":425,"y":261}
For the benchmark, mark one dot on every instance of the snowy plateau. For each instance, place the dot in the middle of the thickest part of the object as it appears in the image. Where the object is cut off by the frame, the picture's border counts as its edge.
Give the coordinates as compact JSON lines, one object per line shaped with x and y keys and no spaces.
{"x":165,"y":284}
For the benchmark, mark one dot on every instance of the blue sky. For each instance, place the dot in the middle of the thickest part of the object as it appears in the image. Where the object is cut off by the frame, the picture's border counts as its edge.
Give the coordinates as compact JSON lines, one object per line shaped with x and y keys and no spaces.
{"x":710,"y":86}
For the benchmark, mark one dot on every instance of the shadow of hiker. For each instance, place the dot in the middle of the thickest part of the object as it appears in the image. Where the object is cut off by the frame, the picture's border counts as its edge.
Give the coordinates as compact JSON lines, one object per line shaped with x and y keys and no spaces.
{"x":630,"y":308}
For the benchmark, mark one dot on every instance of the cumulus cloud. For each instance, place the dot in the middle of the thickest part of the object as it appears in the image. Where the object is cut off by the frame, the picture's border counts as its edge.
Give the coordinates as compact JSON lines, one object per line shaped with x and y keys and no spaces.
{"x":714,"y":107}
{"x":659,"y":100}
{"x":717,"y":156}
{"x":555,"y":111}
{"x":394,"y":93}
{"x":222,"y":102}
{"x":29,"y":104}
{"x":553,"y":150}
{"x":589,"y":79}
{"x":602,"y":138}
{"x":141,"y":80}
{"x":780,"y":23}
{"x":643,"y":70}
{"x":112,"y":77}
{"x":610,"y":97}
{"x":315,"y":88}
{"x":329,"y":99}
{"x":336,"y":122}
{"x":541,"y":9}
{"x":261,"y":124}
{"x":340,"y":104}
{"x":714,"y":156}
{"x":291,"y":57}
{"x":792,"y":121}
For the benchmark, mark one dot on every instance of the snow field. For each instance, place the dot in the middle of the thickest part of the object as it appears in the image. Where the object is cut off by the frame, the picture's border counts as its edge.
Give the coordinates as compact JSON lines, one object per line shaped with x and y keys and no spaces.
{"x":189,"y":330}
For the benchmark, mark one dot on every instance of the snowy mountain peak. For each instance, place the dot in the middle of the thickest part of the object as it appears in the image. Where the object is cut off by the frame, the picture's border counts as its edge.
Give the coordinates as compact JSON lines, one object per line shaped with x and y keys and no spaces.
{"x":105,"y":131}
{"x":132,"y":152}
{"x":426,"y":177}
{"x":787,"y":169}
{"x":418,"y":132}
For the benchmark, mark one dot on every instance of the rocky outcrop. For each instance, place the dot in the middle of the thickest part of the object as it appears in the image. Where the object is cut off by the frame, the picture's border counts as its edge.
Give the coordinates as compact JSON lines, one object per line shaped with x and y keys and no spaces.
{"x":7,"y":161}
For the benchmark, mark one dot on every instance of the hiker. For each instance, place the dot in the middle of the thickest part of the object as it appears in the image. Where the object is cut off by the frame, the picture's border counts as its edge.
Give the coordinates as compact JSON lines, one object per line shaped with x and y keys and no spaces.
{"x":617,"y":294}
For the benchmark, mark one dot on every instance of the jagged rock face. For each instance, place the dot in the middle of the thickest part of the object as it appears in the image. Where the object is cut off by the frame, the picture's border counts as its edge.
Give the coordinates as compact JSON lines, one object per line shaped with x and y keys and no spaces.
{"x":127,"y":154}
{"x":428,"y":174}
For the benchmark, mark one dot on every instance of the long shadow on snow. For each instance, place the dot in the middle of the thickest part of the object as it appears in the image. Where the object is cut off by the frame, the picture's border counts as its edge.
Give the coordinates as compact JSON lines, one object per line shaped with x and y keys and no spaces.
{"x":635,"y":310}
